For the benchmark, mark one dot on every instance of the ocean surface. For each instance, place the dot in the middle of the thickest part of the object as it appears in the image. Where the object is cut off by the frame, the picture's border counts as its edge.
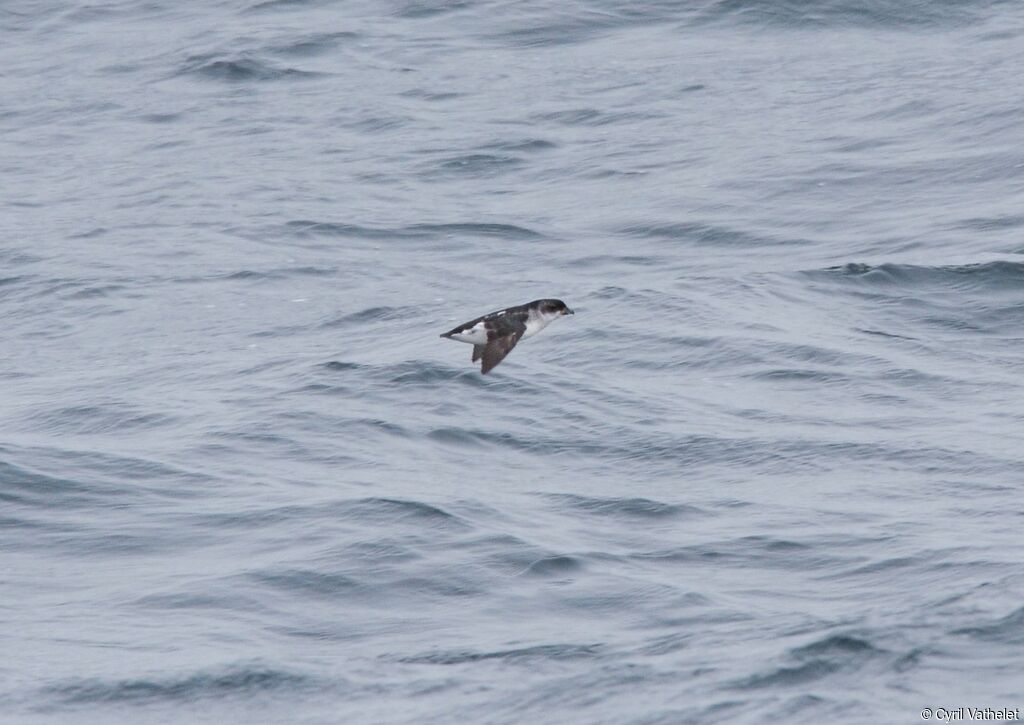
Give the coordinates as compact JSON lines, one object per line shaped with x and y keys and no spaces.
{"x":771,"y":471}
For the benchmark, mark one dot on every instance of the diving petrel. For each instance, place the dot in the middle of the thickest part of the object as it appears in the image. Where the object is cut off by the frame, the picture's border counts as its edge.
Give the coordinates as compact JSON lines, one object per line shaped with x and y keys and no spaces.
{"x":493,"y":336}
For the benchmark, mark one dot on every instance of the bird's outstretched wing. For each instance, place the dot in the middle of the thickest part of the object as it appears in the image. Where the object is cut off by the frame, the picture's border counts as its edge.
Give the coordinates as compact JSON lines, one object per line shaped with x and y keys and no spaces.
{"x":478,"y":350}
{"x":502,"y":335}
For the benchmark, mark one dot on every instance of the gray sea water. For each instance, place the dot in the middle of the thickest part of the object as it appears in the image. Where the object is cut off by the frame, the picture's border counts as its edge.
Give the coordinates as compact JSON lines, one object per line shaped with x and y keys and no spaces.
{"x":771,"y":470}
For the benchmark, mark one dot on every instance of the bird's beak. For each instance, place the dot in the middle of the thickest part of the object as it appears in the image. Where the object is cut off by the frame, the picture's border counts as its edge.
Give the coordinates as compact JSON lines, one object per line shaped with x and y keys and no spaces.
{"x":568,"y":312}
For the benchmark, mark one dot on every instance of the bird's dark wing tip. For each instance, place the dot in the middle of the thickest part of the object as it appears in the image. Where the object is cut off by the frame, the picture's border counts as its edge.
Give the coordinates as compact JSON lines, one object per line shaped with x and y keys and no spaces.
{"x":497,"y":348}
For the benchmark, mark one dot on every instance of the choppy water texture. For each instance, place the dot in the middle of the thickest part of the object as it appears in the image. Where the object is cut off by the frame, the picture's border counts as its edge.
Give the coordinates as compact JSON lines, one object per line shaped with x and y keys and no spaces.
{"x":770,"y":471}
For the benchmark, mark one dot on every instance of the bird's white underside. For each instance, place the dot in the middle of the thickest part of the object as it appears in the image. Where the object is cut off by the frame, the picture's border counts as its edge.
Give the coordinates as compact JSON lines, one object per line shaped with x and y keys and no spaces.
{"x":477,"y":334}
{"x":535,"y":325}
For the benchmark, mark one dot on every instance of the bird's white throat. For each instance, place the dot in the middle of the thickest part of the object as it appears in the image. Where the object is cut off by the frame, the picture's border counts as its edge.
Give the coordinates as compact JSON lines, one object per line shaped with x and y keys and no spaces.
{"x":536,"y":322}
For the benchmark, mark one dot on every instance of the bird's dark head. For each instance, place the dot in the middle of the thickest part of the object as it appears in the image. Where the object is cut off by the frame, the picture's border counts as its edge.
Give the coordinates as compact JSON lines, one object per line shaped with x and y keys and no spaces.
{"x":553,"y":308}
